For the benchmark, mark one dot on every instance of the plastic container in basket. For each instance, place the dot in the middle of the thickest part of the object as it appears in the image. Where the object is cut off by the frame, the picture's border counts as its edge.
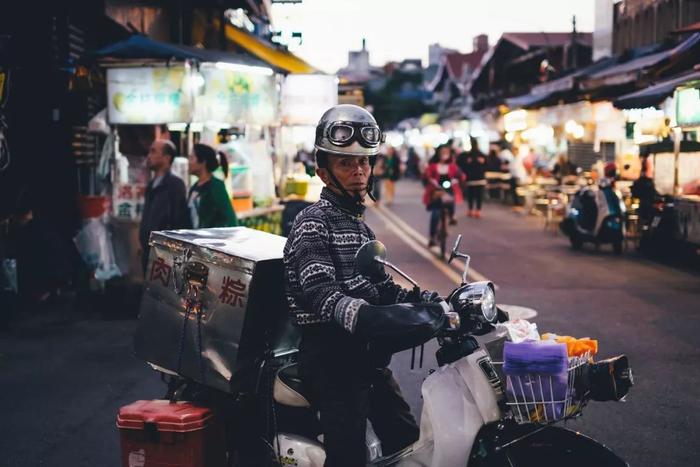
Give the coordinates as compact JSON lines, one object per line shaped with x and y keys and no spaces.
{"x":541,"y":382}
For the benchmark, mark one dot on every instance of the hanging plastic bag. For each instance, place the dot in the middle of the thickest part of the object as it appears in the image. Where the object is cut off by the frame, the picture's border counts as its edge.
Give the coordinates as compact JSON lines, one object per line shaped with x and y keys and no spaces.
{"x":8,"y":274}
{"x":95,"y":247}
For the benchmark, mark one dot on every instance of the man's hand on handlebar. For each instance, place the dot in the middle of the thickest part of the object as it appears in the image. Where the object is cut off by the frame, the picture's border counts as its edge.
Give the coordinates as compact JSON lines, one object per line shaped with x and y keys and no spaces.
{"x":426,"y":296}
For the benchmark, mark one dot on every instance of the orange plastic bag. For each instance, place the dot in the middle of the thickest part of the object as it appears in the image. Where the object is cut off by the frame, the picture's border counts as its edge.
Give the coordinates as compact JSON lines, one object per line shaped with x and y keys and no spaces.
{"x":575,"y":347}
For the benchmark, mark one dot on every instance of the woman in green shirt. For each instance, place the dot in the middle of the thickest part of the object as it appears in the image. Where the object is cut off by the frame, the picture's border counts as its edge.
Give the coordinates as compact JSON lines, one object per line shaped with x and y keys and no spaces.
{"x":208,"y":200}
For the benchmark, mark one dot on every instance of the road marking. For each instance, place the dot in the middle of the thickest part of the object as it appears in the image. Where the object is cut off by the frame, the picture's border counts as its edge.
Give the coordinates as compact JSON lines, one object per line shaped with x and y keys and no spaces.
{"x":416,"y":240}
{"x":418,"y":248}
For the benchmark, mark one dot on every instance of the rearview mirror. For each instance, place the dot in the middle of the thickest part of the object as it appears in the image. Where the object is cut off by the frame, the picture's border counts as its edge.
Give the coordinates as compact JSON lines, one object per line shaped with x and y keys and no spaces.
{"x":455,"y":248}
{"x":367,"y":258}
{"x":371,"y":259}
{"x":457,"y":254}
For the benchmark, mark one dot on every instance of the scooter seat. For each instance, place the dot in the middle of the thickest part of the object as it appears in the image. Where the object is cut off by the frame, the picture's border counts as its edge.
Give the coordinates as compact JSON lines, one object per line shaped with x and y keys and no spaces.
{"x":289,"y":389}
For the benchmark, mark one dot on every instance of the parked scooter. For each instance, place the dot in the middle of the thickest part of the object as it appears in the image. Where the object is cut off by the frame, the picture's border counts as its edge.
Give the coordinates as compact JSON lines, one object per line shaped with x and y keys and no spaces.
{"x":595,"y":215}
{"x":467,"y":420}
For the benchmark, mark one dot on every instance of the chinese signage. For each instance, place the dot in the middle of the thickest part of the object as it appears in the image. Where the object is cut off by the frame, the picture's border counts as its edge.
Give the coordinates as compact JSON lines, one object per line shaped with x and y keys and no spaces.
{"x":128,"y":200}
{"x":148,"y":95}
{"x":160,"y":271}
{"x":233,"y":292}
{"x":688,"y":107}
{"x":236,"y":96}
{"x":306,"y":97}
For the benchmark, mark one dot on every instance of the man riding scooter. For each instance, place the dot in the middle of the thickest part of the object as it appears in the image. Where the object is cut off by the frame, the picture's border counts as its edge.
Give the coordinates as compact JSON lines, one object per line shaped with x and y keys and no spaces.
{"x":329,"y":299}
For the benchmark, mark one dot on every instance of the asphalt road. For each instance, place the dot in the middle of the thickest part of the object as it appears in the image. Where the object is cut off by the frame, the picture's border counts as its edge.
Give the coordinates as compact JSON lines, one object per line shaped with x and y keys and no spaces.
{"x":632,"y":305}
{"x":63,"y":377}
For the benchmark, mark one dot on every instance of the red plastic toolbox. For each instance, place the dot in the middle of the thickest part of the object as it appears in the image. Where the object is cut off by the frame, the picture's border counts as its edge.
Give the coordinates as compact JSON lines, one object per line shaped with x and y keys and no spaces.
{"x":158,"y":433}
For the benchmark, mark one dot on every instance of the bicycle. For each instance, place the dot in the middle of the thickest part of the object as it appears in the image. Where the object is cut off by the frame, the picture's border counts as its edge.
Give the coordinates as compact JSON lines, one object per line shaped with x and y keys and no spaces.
{"x":446,"y":200}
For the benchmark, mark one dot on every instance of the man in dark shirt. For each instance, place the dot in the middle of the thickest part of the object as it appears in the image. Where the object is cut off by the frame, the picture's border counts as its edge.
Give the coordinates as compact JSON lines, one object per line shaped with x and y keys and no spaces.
{"x":644,"y":189}
{"x":165,"y":207}
{"x":327,"y":297}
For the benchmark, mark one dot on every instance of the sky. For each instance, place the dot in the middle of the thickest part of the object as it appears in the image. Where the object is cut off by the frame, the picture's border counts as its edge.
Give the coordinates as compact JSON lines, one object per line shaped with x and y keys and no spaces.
{"x":399,"y":29}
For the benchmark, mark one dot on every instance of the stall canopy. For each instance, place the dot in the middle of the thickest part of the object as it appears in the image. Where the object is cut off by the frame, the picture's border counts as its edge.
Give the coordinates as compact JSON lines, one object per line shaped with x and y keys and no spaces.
{"x":278,"y":58}
{"x":632,"y":70}
{"x":654,"y":95}
{"x":141,"y":47}
{"x":565,"y":87}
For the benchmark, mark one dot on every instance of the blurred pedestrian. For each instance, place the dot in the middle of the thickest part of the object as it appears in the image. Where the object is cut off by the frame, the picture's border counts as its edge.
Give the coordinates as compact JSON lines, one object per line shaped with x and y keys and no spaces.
{"x":563,"y":169}
{"x":516,"y":168}
{"x":45,"y":260}
{"x":441,"y":179}
{"x":412,"y":164}
{"x":645,"y":191}
{"x":493,"y":162}
{"x":473,"y":165}
{"x":165,"y":206}
{"x":392,"y":173}
{"x":378,"y":177}
{"x":209,"y":202}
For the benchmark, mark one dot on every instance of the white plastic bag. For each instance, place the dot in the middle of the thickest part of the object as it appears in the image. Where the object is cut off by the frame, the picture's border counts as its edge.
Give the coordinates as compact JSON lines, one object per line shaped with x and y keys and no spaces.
{"x":95,"y":247}
{"x":520,"y":330}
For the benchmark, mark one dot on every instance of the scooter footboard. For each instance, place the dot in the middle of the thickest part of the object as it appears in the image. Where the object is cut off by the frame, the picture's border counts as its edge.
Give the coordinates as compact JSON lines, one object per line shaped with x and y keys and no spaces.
{"x":529,"y":445}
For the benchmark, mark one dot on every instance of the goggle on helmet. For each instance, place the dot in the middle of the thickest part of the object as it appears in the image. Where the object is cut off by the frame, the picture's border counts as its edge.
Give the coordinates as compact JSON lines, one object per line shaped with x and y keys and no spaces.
{"x":348,"y":130}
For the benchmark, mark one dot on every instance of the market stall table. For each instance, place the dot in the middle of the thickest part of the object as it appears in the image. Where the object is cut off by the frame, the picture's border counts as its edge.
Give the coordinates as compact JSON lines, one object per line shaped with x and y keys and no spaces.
{"x":267,"y":219}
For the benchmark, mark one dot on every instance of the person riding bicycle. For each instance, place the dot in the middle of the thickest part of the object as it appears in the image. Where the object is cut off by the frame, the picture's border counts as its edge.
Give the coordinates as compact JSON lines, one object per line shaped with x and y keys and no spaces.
{"x":330,"y":301}
{"x":441,"y":178}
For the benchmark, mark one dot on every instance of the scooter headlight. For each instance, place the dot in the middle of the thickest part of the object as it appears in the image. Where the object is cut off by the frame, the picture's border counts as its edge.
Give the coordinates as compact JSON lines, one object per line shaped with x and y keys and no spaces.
{"x":488,"y":305}
{"x":476,"y":302}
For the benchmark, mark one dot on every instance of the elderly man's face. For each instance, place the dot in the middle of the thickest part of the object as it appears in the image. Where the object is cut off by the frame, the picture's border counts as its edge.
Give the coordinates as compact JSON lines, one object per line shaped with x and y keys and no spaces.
{"x":156,"y":157}
{"x":351,"y":171}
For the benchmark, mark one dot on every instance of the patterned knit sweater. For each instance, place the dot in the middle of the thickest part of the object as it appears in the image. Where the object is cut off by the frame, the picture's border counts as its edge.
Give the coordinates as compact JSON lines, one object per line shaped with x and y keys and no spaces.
{"x":323,"y":284}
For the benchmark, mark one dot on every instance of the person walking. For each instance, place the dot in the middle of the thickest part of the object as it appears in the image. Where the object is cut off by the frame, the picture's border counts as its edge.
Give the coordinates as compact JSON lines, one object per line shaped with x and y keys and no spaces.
{"x":645,"y":191}
{"x":392,"y":173}
{"x":378,"y":178}
{"x":208,"y":200}
{"x":165,"y":205}
{"x":473,"y":165}
{"x":441,"y":172}
{"x":516,"y":168}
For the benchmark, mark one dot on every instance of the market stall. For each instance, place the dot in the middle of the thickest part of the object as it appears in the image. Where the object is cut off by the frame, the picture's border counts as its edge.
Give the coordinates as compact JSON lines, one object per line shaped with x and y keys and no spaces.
{"x":304,"y":98}
{"x":187,"y":95}
{"x":687,"y":166}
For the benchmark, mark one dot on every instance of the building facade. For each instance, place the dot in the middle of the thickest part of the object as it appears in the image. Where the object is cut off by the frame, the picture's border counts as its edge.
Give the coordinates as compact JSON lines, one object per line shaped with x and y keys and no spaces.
{"x":639,"y":23}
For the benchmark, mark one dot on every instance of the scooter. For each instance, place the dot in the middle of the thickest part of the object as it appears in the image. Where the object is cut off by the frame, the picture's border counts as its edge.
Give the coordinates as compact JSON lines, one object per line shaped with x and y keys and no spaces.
{"x":473,"y":412}
{"x":467,"y":420}
{"x":595,"y":215}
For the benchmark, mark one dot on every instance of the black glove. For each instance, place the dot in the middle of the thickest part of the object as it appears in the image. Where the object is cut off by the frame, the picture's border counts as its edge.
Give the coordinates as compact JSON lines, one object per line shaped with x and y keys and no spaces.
{"x":394,"y":328}
{"x":425,"y":296}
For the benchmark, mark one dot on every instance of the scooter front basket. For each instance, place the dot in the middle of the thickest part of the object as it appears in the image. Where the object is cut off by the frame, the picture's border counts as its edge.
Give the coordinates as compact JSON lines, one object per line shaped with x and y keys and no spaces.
{"x":543,"y":399}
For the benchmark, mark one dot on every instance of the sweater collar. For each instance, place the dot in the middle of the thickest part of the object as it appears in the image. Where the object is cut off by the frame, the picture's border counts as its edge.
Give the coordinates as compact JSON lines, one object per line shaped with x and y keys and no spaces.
{"x":342,"y":203}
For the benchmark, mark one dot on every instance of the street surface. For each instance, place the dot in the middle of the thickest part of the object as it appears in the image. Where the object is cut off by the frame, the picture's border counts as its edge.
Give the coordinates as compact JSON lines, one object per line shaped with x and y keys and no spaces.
{"x":64,"y":376}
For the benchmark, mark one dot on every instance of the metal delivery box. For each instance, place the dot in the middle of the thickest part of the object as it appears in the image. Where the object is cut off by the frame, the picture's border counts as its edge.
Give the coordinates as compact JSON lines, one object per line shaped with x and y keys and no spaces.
{"x":214,"y":304}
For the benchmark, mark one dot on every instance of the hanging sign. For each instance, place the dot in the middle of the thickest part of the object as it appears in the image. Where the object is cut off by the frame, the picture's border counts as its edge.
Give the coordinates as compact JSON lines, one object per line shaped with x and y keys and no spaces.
{"x":688,"y":107}
{"x":148,"y":95}
{"x":237,"y":94}
{"x":306,"y":97}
